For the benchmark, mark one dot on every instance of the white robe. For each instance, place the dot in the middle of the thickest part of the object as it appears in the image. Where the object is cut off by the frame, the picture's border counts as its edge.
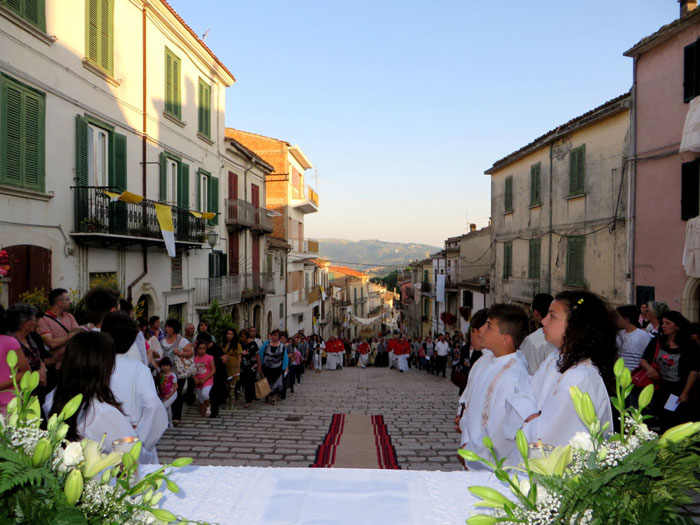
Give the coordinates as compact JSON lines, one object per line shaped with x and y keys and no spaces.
{"x":559,"y":421}
{"x":497,"y":402}
{"x":536,"y":348}
{"x":402,"y":362}
{"x":132,"y":385}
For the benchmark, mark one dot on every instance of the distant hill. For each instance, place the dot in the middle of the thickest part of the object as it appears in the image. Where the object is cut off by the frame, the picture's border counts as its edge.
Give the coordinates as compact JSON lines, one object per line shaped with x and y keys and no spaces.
{"x":371,"y":252}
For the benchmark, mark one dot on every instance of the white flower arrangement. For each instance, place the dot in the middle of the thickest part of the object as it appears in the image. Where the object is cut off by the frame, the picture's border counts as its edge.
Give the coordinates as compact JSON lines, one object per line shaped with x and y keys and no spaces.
{"x":632,"y":477}
{"x":46,"y":479}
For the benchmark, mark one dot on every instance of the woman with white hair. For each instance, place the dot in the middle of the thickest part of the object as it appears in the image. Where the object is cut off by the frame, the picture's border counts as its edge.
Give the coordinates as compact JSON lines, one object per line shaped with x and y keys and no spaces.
{"x":656,"y":309}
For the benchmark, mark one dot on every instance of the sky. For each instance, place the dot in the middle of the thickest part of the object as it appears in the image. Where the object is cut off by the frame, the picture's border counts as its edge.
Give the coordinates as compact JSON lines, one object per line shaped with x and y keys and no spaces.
{"x":402,"y":105}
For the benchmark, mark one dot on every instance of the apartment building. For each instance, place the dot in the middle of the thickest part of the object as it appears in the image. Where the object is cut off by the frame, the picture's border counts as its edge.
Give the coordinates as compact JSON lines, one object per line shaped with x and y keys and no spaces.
{"x":559,"y":210}
{"x":108,"y":109}
{"x":291,"y":199}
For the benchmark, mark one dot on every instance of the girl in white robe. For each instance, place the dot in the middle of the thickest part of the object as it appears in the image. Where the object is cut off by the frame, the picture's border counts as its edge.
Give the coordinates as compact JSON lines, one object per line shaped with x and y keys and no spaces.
{"x":583,"y":328}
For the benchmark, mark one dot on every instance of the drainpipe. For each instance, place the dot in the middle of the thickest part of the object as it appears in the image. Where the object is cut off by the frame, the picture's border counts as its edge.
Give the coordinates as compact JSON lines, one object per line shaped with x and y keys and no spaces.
{"x":549,"y":247}
{"x":143,"y":149}
{"x":632,"y":192}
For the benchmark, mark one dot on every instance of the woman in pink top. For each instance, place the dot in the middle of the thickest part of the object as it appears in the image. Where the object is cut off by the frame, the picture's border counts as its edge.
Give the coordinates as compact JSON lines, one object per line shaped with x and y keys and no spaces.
{"x":204,"y":378}
{"x":8,"y":343}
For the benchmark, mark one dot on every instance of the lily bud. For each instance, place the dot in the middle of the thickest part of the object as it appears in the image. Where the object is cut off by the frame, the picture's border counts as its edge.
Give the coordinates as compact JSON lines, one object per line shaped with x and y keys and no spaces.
{"x":625,"y":378}
{"x":679,"y":432}
{"x":619,"y":366}
{"x":491,"y":495}
{"x":74,"y":487}
{"x":42,"y":452}
{"x":468,"y":455}
{"x":487,"y":442}
{"x":481,"y":519}
{"x":645,"y":396}
{"x":521,"y":441}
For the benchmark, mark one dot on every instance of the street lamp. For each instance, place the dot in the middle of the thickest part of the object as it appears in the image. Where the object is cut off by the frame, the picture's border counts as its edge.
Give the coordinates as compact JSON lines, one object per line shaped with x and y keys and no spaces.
{"x":482,"y":283}
{"x":212,"y":237}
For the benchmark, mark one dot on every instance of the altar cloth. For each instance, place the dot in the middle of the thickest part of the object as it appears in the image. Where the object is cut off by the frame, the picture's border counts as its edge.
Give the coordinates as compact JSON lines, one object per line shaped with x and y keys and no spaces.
{"x":305,"y":496}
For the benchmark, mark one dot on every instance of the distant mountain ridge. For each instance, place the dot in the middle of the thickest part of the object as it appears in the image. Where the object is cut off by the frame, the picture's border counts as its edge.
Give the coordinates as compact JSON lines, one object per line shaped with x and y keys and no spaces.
{"x":371,"y":254}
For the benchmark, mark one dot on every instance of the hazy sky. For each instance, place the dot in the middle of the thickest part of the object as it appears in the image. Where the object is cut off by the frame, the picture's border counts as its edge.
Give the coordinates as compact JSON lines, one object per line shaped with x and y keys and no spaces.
{"x":402,"y":105}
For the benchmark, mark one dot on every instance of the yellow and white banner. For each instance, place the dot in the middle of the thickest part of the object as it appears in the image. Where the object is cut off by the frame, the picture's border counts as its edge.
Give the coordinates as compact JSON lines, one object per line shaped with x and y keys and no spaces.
{"x":165,"y":220}
{"x":206,"y":215}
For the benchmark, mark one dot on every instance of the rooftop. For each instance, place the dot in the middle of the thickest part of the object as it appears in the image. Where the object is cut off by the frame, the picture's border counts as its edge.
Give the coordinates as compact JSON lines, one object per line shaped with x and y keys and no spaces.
{"x":664,"y":33}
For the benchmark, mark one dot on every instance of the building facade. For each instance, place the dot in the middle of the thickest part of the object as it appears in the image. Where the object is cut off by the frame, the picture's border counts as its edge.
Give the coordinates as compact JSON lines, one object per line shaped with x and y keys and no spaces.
{"x":99,"y":99}
{"x":559,"y":210}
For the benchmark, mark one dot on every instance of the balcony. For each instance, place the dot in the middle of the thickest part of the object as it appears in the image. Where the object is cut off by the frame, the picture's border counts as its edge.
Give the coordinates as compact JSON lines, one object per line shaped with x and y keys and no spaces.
{"x":239,"y":214}
{"x":523,"y":289}
{"x":309,"y":246}
{"x":99,"y":221}
{"x":256,"y":284}
{"x":262,"y":222}
{"x":226,"y":290}
{"x":306,"y":202}
{"x":306,"y":296}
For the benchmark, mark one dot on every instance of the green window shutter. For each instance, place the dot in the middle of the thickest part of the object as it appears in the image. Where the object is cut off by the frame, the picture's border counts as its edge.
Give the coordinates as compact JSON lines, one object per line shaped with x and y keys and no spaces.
{"x":223,"y":266}
{"x":507,"y":259}
{"x":34,"y":13}
{"x":577,"y":167}
{"x":200,"y":107}
{"x":92,"y":31}
{"x":176,"y":88}
{"x":213,"y":198}
{"x":82,"y":205}
{"x":199,"y":190}
{"x":163,"y":177}
{"x":11,"y":136}
{"x":574,"y":261}
{"x":183,"y":190}
{"x":33,"y":141}
{"x":168,"y":81}
{"x":207,"y":110}
{"x":508,"y":197}
{"x":14,"y":5}
{"x":535,"y":196}
{"x":119,"y":162}
{"x":105,"y":34}
{"x":534,"y":259}
{"x":99,"y":33}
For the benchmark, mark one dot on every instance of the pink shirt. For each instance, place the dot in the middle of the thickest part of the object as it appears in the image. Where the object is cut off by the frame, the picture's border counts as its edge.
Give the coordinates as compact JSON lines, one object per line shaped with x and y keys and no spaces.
{"x":7,"y":343}
{"x":203,"y":368}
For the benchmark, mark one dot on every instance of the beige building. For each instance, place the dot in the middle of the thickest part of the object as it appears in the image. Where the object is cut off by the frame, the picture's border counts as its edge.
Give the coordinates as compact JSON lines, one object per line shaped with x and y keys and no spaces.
{"x":559,"y":210}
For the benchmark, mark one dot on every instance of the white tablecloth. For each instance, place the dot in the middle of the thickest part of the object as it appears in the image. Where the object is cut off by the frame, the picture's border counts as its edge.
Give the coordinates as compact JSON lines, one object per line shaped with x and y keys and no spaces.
{"x":286,"y":496}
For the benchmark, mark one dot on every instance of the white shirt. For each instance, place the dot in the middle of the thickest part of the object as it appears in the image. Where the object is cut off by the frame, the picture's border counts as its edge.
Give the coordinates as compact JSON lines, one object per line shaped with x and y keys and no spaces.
{"x":442,"y":348}
{"x":497,"y":404}
{"x":536,"y":348}
{"x":132,"y":385}
{"x":632,"y":346}
{"x":559,"y":421}
{"x":138,"y":349}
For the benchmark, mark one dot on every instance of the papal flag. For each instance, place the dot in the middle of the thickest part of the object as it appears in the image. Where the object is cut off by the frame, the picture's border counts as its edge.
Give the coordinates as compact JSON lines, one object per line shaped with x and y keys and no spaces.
{"x":165,"y":219}
{"x":323,"y":294}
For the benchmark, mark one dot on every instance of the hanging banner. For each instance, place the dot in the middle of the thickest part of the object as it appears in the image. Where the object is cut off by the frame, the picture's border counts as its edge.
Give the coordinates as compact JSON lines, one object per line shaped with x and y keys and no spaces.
{"x":165,"y":220}
{"x":440,"y":289}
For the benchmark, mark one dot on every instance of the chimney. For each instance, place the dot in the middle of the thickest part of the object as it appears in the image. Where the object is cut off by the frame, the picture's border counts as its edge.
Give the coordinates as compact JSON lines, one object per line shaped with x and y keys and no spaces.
{"x":687,"y":6}
{"x":472,"y":227}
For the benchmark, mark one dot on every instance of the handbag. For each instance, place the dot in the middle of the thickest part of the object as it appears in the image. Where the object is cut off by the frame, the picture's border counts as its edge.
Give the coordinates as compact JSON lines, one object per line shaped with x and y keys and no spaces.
{"x":458,"y":377}
{"x":639,"y":375}
{"x":262,"y":388}
{"x":184,"y":366}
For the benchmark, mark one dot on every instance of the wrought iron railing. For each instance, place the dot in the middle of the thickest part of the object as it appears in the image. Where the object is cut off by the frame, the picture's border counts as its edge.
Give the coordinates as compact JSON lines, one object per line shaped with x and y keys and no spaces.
{"x":226,"y":290}
{"x":95,"y":212}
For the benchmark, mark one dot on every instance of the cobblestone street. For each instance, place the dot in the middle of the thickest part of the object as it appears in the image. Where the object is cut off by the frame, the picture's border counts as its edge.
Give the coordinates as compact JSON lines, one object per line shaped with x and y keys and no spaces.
{"x":418,"y":410}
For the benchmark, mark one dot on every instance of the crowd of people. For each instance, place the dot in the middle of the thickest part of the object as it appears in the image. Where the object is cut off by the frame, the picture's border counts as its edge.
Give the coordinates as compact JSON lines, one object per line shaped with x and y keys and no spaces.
{"x":518,"y":378}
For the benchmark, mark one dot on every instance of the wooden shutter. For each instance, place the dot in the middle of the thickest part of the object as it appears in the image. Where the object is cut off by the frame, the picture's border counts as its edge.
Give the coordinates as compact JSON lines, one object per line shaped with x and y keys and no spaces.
{"x":213,"y":198}
{"x":82,"y":205}
{"x":223,"y":267}
{"x":233,"y":254}
{"x":204,"y":108}
{"x":256,"y":253}
{"x":163,"y":194}
{"x":690,"y":71}
{"x":183,"y":190}
{"x":34,"y":13}
{"x":118,"y":210}
{"x":168,"y":82}
{"x":232,"y":186}
{"x":509,"y":194}
{"x":535,"y":181}
{"x":33,"y":141}
{"x":12,"y":133}
{"x":93,"y":31}
{"x":690,"y":190}
{"x":507,"y":259}
{"x":105,"y":34}
{"x":176,"y":87}
{"x":255,"y":196}
{"x":574,"y":260}
{"x":534,"y":259}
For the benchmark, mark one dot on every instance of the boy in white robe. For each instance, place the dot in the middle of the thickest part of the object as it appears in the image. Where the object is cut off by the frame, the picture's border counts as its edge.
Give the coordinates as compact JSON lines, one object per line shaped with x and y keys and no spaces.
{"x":497,"y":394}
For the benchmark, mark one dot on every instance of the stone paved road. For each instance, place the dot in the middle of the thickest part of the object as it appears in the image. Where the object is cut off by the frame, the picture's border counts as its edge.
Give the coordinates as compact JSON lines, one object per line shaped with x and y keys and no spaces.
{"x":418,"y":410}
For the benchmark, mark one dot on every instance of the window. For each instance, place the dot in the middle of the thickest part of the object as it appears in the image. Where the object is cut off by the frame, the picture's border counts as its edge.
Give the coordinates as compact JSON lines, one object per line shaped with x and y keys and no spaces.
{"x":281,"y":311}
{"x":33,"y":11}
{"x":203,"y":193}
{"x":269,"y":266}
{"x":426,"y":307}
{"x":507,"y":259}
{"x":508,"y":196}
{"x":217,"y":264}
{"x":533,"y":267}
{"x":99,"y":34}
{"x":574,"y":260}
{"x":172,"y":84}
{"x":535,"y":184}
{"x":208,"y":194}
{"x":21,"y":135}
{"x":204,"y":105}
{"x":281,"y":268}
{"x":174,"y":181}
{"x":467,"y":298}
{"x":176,"y":272}
{"x":425,"y":276}
{"x":644,"y":294}
{"x":233,"y":248}
{"x":98,"y":156}
{"x":690,"y":189}
{"x":691,"y":71}
{"x":577,"y":170}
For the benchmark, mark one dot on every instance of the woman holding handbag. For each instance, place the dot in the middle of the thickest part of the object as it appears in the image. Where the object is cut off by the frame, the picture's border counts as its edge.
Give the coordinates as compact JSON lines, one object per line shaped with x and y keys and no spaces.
{"x":673,"y":361}
{"x":180,"y":352}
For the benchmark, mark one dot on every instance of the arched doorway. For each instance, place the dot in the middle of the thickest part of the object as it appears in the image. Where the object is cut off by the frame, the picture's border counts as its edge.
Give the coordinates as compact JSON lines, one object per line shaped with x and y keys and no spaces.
{"x":30,"y":269}
{"x":690,"y":304}
{"x":257,"y":317}
{"x":269,"y":322}
{"x":144,"y":306}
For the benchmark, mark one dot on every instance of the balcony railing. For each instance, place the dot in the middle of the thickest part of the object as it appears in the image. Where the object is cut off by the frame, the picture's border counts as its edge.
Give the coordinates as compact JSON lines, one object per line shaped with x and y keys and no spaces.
{"x":307,"y":202}
{"x":239,"y":213}
{"x":226,"y":290}
{"x":304,"y":245}
{"x":96,"y":213}
{"x":523,"y":289}
{"x":261,"y":221}
{"x":259,"y":283}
